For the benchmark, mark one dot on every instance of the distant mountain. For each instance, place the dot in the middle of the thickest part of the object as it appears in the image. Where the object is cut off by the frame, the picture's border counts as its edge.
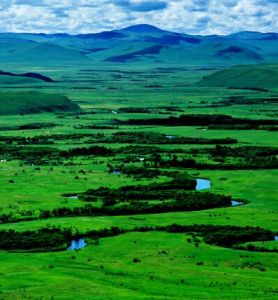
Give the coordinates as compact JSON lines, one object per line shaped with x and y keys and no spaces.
{"x":139,"y":44}
{"x":253,"y":35}
{"x":106,"y":35}
{"x":143,"y":28}
{"x":258,"y":76}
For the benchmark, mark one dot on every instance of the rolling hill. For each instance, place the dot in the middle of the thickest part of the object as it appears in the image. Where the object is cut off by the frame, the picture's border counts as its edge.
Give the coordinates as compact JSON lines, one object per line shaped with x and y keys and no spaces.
{"x":259,"y":76}
{"x":12,"y":103}
{"x":136,"y":45}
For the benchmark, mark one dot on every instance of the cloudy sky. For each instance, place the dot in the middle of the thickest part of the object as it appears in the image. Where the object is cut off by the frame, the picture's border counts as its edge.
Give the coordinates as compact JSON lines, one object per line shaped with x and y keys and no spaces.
{"x":189,"y":16}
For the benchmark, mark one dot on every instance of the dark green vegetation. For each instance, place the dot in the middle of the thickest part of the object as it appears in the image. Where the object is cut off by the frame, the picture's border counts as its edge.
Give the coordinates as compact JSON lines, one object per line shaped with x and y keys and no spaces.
{"x":110,"y":151}
{"x":26,"y":75}
{"x":53,"y":239}
{"x":153,"y":138}
{"x":200,"y":120}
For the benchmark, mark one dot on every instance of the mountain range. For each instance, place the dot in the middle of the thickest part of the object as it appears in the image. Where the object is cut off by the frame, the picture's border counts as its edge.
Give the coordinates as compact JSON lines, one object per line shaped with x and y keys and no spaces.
{"x":139,"y":44}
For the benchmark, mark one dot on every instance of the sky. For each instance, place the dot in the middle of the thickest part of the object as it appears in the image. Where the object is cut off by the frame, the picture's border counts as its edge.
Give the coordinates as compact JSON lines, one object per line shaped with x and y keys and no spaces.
{"x":187,"y":16}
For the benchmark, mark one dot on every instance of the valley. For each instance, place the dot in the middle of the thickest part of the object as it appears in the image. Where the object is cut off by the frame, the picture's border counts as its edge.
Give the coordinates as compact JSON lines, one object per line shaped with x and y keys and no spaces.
{"x":133,"y":167}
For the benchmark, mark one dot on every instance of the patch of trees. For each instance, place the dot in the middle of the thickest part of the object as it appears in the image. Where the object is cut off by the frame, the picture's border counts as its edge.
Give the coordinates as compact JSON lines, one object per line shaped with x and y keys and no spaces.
{"x":30,"y":126}
{"x":176,"y":162}
{"x":46,"y":238}
{"x":20,"y":140}
{"x":131,"y":203}
{"x":6,"y":218}
{"x":243,"y":127}
{"x":248,"y":157}
{"x":245,"y":151}
{"x":30,"y":155}
{"x":225,"y":236}
{"x":73,"y":136}
{"x":138,"y":172}
{"x":43,"y":155}
{"x":242,"y":100}
{"x":169,"y":108}
{"x":178,"y":183}
{"x":95,"y":127}
{"x":92,"y":150}
{"x":157,"y":138}
{"x":257,"y":89}
{"x":198,"y":120}
{"x":134,"y":110}
{"x":144,"y":150}
{"x":143,"y":199}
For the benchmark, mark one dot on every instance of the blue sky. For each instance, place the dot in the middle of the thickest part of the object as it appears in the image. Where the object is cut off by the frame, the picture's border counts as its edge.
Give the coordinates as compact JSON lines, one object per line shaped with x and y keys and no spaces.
{"x":188,"y":16}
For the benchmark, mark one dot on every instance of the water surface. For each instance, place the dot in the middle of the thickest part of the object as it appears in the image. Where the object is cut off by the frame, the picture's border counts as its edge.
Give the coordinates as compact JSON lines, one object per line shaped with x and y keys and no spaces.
{"x":236,"y":203}
{"x":77,"y":244}
{"x":203,"y":184}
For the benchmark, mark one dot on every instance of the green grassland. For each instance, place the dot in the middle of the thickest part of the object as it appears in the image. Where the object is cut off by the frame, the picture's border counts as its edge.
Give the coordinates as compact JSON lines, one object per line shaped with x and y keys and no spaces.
{"x":170,"y":268}
{"x":135,"y":265}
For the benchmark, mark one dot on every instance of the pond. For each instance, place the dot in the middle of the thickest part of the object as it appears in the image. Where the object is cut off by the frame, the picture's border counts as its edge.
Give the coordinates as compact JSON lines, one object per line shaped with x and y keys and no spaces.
{"x":203,"y":184}
{"x":236,"y":203}
{"x":77,"y":244}
{"x":276,"y":238}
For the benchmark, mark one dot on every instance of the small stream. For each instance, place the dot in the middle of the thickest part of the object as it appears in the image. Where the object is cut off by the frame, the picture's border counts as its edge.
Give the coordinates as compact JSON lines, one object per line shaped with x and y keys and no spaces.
{"x":205,"y":184}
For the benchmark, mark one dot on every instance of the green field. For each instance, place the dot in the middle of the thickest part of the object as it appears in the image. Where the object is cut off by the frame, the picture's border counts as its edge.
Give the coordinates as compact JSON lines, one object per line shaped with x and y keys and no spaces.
{"x":49,"y":156}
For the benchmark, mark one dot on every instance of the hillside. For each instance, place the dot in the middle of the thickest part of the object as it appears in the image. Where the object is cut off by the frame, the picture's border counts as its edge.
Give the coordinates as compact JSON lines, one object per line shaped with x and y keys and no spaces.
{"x":138,"y":44}
{"x":259,"y":76}
{"x":12,"y":103}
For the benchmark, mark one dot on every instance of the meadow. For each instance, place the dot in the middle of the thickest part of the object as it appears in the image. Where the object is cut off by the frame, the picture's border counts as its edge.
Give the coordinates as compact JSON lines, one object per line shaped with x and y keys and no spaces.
{"x":50,"y":162}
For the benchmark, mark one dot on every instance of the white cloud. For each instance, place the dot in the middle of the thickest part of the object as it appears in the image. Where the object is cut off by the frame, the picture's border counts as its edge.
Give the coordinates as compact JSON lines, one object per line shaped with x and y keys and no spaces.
{"x":191,"y":16}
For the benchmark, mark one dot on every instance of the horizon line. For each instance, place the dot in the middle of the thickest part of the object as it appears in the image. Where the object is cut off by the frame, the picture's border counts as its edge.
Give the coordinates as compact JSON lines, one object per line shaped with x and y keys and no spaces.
{"x":135,"y":25}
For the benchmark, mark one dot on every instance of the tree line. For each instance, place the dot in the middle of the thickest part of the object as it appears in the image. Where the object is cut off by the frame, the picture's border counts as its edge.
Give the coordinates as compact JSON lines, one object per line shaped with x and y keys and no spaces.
{"x":54,"y":238}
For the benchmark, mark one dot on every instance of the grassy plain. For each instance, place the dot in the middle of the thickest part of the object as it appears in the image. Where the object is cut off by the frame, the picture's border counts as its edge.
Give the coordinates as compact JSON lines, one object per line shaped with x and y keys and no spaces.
{"x":167,"y":266}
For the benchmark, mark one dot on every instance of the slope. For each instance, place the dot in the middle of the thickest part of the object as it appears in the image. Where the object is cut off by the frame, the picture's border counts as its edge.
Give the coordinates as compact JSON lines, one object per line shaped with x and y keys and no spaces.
{"x":12,"y":103}
{"x":259,"y":76}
